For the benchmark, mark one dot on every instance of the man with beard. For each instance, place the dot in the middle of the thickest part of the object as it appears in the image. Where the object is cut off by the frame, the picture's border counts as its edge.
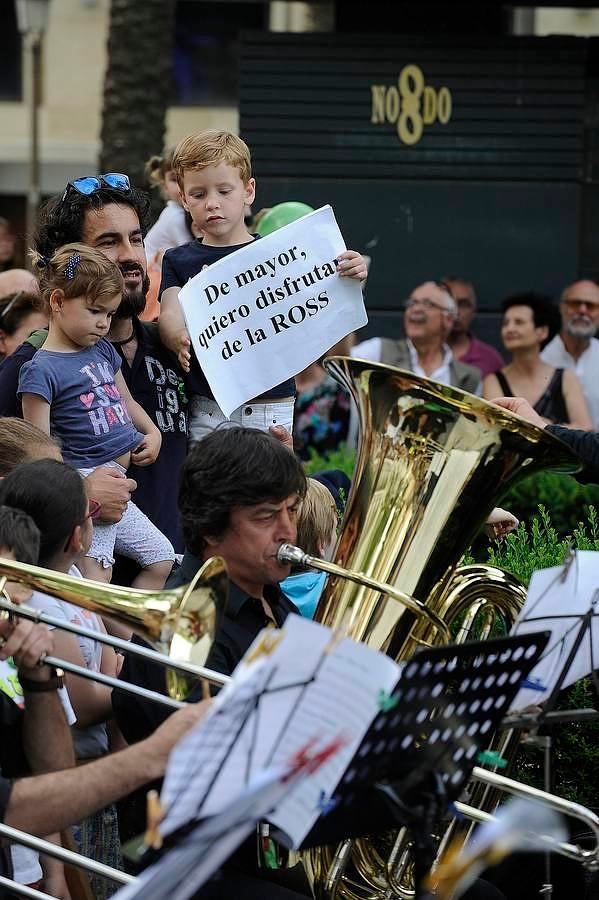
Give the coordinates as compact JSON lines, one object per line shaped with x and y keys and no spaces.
{"x":576,"y":346}
{"x":106,"y":213}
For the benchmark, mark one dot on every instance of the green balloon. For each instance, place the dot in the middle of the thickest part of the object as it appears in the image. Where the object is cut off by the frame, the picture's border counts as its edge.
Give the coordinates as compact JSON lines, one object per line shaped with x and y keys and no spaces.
{"x":282,"y":214}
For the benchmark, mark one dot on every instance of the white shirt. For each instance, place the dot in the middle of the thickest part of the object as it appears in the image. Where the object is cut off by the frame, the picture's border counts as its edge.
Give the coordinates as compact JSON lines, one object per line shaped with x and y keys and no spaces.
{"x":586,"y":368}
{"x":372,"y":350}
{"x":169,"y":230}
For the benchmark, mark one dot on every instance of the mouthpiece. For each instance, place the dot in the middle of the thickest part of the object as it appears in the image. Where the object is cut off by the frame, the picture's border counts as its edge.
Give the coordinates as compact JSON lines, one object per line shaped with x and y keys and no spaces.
{"x":289,"y":553}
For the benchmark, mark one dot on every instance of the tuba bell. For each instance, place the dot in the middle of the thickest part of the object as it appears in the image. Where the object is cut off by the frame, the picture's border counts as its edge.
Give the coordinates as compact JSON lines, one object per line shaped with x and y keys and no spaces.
{"x":432,"y":463}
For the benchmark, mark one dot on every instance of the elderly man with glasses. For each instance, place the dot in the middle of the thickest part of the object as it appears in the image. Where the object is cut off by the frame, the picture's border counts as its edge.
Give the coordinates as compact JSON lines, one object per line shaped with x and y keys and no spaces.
{"x":576,"y":346}
{"x":429,"y":314}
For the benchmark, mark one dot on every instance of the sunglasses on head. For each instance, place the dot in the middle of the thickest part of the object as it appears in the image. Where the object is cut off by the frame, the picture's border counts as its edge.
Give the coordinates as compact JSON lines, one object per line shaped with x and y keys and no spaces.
{"x":89,"y":184}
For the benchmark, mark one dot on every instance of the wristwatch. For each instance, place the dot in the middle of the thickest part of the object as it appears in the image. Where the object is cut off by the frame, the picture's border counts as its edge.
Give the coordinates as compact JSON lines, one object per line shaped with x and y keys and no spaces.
{"x":54,"y":682}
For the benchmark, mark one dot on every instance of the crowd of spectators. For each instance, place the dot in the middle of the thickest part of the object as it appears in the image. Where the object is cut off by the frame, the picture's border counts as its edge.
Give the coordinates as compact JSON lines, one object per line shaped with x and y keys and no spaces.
{"x":112,"y":464}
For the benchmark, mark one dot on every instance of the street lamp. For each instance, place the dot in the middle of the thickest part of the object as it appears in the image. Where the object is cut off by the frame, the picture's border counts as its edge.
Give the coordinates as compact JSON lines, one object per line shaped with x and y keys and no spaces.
{"x":32,"y":19}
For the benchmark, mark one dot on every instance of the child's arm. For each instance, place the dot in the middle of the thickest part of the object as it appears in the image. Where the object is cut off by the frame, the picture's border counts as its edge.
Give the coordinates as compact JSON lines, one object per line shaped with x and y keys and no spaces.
{"x":37,"y":411}
{"x":352,"y":264}
{"x":149,"y":448}
{"x":171,"y":327}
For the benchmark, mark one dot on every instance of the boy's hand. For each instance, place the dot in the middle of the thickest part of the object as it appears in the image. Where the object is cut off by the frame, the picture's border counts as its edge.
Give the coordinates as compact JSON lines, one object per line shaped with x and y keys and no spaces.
{"x":148,"y":450}
{"x":352,"y":264}
{"x":183,"y":350}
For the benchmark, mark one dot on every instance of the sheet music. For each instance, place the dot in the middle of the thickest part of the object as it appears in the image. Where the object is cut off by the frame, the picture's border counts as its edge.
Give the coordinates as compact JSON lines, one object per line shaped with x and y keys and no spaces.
{"x":558,"y":599}
{"x":187,"y":866}
{"x":295,"y":695}
{"x":342,"y":702}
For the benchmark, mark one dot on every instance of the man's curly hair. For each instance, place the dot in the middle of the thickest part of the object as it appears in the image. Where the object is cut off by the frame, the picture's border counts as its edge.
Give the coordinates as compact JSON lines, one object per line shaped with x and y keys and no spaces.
{"x":233,"y":467}
{"x":61,"y":221}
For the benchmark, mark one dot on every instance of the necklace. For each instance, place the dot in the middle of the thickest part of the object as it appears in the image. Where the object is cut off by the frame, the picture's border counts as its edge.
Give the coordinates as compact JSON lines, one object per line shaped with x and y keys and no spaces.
{"x":125,"y":341}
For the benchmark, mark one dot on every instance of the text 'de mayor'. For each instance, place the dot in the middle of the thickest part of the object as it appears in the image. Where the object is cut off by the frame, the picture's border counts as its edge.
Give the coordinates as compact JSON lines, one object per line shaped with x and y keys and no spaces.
{"x":264,"y":313}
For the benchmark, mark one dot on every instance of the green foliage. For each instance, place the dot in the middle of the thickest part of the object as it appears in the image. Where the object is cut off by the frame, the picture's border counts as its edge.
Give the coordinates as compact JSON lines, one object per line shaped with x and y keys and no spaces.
{"x":575,"y":745}
{"x":568,"y":500}
{"x":343,"y":458}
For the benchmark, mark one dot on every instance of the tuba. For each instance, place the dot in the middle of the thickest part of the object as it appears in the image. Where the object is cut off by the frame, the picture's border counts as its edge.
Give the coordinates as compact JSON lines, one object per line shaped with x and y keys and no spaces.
{"x":432,"y":462}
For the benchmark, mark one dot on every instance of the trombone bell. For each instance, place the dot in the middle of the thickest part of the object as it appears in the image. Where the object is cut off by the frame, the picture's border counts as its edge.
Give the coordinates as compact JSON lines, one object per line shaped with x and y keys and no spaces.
{"x":179,"y":622}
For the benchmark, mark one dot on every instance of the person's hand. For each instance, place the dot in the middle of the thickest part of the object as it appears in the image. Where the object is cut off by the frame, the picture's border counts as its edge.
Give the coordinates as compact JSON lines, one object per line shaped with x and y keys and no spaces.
{"x":26,"y":642}
{"x":112,"y":490}
{"x":352,"y":264}
{"x":500,"y":523}
{"x":148,"y":450}
{"x":162,"y":741}
{"x":522,"y":408}
{"x":183,"y":350}
{"x":281,"y":434}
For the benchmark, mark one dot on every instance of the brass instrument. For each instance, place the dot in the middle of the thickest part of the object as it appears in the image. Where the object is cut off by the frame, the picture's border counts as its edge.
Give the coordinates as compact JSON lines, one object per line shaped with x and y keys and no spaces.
{"x":180,"y":622}
{"x":431,"y":465}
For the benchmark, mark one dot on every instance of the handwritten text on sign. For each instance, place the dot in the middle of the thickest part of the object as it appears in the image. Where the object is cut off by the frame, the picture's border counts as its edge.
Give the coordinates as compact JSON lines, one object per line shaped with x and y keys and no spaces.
{"x":264,"y":313}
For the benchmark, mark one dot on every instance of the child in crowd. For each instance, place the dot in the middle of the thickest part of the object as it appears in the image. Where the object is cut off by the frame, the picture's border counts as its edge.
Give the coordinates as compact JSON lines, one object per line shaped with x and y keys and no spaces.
{"x":20,"y":541}
{"x":317,"y":535}
{"x":74,"y":389}
{"x":214,"y":175}
{"x":170,"y":229}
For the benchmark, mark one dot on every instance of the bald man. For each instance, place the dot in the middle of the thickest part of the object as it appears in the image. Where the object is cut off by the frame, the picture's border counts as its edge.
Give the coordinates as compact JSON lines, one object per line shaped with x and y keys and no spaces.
{"x":14,"y":280}
{"x":576,"y":346}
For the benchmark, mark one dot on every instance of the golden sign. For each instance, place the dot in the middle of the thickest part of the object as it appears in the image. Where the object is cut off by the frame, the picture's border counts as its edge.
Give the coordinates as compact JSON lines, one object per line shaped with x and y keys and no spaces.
{"x":411,"y":105}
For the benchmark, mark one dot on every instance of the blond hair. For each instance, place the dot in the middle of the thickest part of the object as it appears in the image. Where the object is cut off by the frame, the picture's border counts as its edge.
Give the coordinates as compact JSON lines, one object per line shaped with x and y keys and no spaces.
{"x":317,"y":517}
{"x":209,"y":148}
{"x":78,"y":271}
{"x":20,"y":442}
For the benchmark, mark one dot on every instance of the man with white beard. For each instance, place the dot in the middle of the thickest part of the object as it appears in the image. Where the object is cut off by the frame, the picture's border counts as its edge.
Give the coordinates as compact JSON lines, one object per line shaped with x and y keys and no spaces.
{"x":576,"y":346}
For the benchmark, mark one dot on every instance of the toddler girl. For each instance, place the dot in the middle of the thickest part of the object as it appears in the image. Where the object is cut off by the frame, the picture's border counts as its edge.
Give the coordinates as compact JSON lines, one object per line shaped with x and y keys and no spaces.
{"x":73,"y":388}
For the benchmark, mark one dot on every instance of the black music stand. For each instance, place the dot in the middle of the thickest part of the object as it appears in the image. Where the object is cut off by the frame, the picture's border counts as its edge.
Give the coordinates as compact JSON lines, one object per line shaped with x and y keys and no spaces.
{"x":420,"y":750}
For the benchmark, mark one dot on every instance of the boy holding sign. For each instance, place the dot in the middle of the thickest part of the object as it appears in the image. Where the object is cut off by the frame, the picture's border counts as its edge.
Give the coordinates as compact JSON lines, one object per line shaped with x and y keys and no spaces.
{"x":213,"y":170}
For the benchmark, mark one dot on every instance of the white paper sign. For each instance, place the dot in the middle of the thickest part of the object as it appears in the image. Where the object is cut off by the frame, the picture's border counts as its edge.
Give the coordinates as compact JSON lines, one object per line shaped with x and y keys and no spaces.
{"x":264,"y":313}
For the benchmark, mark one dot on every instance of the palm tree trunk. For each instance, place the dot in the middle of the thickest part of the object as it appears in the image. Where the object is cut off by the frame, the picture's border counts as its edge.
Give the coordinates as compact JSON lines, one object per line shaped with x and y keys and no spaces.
{"x":137,"y":84}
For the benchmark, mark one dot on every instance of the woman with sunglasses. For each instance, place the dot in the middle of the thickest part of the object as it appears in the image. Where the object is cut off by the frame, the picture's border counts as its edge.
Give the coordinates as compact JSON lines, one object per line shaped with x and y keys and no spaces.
{"x":529,"y":322}
{"x":52,"y":494}
{"x":19,"y":316}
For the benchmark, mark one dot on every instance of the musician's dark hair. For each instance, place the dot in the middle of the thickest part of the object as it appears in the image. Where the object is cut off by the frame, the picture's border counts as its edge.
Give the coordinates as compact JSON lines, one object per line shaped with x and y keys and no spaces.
{"x":52,"y":493}
{"x":544,"y":311}
{"x":20,"y":535}
{"x":233,"y":467}
{"x":61,"y":220}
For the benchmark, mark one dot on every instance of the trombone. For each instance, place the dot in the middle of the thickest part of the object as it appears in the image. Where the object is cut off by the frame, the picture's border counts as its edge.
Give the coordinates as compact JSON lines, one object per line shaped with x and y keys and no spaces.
{"x":181,"y":622}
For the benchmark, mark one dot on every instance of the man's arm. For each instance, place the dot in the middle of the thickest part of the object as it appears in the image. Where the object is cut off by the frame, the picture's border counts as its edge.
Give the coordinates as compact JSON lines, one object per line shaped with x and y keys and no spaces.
{"x":584,"y":443}
{"x":46,"y":803}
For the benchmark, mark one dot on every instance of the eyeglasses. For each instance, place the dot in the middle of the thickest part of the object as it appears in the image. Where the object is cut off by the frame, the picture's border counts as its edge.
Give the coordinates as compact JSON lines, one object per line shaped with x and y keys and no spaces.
{"x":89,"y":184}
{"x":577,"y":304}
{"x":94,"y":508}
{"x":425,"y":303}
{"x":464,"y":303}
